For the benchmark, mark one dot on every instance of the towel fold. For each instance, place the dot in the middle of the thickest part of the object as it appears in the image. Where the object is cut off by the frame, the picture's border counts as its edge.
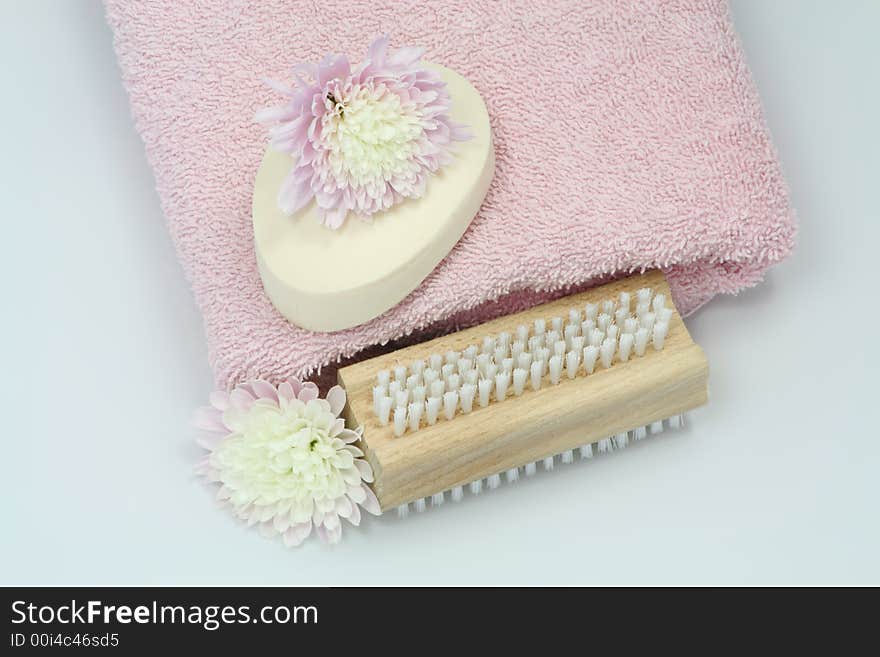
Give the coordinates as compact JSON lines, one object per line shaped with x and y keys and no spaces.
{"x":627,"y":136}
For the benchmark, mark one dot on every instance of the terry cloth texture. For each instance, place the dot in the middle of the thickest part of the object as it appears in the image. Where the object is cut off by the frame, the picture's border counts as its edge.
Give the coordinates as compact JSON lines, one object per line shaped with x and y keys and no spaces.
{"x":628,"y":135}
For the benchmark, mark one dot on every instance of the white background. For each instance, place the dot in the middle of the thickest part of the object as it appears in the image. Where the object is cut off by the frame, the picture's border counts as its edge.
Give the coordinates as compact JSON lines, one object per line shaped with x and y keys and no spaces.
{"x":776,"y":481}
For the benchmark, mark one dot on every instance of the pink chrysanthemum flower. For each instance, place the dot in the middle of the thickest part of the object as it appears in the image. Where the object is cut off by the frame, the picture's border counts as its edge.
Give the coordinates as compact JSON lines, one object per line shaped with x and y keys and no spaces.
{"x":284,"y":459}
{"x":363,"y":138}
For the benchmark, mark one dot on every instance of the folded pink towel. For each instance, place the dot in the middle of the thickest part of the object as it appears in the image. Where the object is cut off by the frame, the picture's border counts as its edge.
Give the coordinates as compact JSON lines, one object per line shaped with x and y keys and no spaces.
{"x":628,"y":135}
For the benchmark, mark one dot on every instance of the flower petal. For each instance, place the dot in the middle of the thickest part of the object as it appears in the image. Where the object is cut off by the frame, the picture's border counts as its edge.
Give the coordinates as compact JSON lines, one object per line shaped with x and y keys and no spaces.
{"x":371,"y":502}
{"x":355,"y":517}
{"x":219,"y":399}
{"x":208,"y":418}
{"x":308,"y":392}
{"x":297,"y":534}
{"x":264,"y":389}
{"x":336,"y":397}
{"x":365,"y":469}
{"x":348,"y":436}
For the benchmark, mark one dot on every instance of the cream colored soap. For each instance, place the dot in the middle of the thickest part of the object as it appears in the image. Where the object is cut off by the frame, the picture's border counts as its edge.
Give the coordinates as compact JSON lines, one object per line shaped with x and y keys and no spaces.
{"x":328,"y":280}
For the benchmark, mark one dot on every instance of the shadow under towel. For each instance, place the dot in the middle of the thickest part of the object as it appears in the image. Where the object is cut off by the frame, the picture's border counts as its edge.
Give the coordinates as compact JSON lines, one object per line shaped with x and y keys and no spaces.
{"x":627,"y":136}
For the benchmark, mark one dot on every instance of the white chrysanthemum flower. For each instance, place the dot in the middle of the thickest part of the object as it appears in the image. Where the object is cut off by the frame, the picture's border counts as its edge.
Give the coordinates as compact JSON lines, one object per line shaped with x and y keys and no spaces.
{"x":285,"y":460}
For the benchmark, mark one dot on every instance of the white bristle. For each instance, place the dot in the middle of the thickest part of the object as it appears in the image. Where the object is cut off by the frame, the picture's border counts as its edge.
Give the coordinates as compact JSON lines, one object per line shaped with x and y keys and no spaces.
{"x":548,"y":463}
{"x":572,"y":361}
{"x":658,"y":302}
{"x":519,"y":380}
{"x":540,"y":326}
{"x":587,"y":327}
{"x":591,"y":310}
{"x":517,"y":349}
{"x":664,"y":315}
{"x":484,"y":389}
{"x":577,"y":343}
{"x":556,"y":323}
{"x":642,"y":308}
{"x":412,"y":381}
{"x":660,"y":331}
{"x":536,"y":371}
{"x":530,"y":469}
{"x":676,"y":421}
{"x":417,"y":367}
{"x":493,"y":481}
{"x":491,"y":370}
{"x":471,"y":352}
{"x":483,"y":361}
{"x":591,"y":353}
{"x":438,"y":388}
{"x":644,"y":295}
{"x":378,"y":393}
{"x":555,"y":369}
{"x":621,"y":316}
{"x":502,"y":382}
{"x":437,"y":499}
{"x":432,"y":410}
{"x":640,"y":433}
{"x":606,"y":352}
{"x":596,"y":337}
{"x":559,"y":348}
{"x":605,"y":446}
{"x":394,"y":387}
{"x":419,"y":505}
{"x":624,"y":347}
{"x":507,"y":365}
{"x":568,"y":456}
{"x":648,"y":320}
{"x":522,"y":333}
{"x":512,"y":475}
{"x":535,"y":343}
{"x":504,"y":339}
{"x":400,"y":373}
{"x":544,"y":359}
{"x":430,"y":375}
{"x":403,"y":511}
{"x":453,"y":382}
{"x":399,"y":420}
{"x":456,"y":494}
{"x":414,"y":411}
{"x":435,"y":361}
{"x":623,"y":301}
{"x":488,"y":344}
{"x":612,"y":332}
{"x":401,"y":398}
{"x":524,"y":361}
{"x":631,"y":325}
{"x":657,"y":427}
{"x":621,"y":440}
{"x":450,"y":404}
{"x":570,"y":331}
{"x":500,"y":354}
{"x":552,"y":337}
{"x":476,"y":487}
{"x":586,"y":451}
{"x":418,"y":394}
{"x":641,"y":341}
{"x":471,"y":377}
{"x":603,"y":322}
{"x":608,"y":307}
{"x":466,"y":397}
{"x":383,"y":378}
{"x":385,"y":410}
{"x":452,"y":357}
{"x":465,"y":365}
{"x":574,"y":316}
{"x":447,"y":370}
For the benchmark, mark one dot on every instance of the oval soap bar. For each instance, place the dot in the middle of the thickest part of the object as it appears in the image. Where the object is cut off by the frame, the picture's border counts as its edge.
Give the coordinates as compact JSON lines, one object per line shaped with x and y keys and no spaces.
{"x":327,"y":280}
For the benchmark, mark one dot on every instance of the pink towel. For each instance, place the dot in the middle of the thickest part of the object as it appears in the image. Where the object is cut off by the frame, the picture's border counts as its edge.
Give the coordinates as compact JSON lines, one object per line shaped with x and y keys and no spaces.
{"x":627,"y":135}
